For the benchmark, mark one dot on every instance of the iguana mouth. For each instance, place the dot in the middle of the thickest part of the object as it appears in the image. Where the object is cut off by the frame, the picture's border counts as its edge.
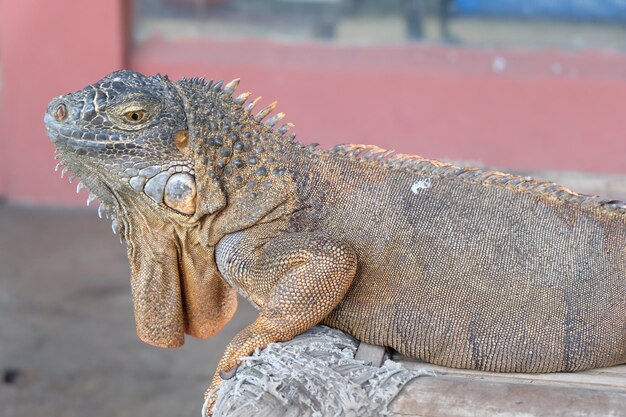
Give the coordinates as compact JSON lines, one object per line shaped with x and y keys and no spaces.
{"x":60,"y":121}
{"x":76,"y":138}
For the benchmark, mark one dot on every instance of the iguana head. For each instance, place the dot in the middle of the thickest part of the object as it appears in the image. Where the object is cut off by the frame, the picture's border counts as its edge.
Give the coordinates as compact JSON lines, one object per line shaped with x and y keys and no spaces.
{"x":127,"y":138}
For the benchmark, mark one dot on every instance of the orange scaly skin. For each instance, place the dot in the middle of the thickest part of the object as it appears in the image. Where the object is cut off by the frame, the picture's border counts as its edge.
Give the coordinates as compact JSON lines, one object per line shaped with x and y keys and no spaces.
{"x":456,"y":266}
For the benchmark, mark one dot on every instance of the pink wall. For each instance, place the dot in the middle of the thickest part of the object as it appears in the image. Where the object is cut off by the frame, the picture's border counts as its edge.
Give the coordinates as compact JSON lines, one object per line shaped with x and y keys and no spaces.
{"x":48,"y":48}
{"x":521,"y":109}
{"x":545,"y":109}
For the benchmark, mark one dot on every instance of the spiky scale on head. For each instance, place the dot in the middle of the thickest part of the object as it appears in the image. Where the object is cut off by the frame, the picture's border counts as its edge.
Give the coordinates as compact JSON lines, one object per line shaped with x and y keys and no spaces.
{"x":267,"y":110}
{"x":275,"y":119}
{"x":241,"y":98}
{"x":253,"y":103}
{"x":231,"y":86}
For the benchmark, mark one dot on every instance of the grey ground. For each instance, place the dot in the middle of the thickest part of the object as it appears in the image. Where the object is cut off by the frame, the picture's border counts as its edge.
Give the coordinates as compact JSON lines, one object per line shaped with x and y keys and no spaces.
{"x":67,"y":338}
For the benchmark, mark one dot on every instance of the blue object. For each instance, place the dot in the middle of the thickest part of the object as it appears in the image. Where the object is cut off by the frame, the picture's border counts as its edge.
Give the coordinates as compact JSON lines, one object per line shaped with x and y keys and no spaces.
{"x":608,"y":10}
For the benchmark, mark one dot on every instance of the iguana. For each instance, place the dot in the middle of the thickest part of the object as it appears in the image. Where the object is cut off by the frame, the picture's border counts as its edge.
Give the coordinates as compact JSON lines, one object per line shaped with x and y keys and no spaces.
{"x":455,"y":266}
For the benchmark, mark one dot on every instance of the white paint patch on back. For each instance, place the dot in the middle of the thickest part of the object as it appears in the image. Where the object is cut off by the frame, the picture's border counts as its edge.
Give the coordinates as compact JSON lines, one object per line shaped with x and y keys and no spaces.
{"x":422,"y":184}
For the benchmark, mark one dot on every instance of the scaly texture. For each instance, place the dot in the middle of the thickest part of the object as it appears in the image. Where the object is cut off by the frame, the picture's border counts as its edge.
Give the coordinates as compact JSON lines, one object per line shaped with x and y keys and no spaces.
{"x":456,"y":266}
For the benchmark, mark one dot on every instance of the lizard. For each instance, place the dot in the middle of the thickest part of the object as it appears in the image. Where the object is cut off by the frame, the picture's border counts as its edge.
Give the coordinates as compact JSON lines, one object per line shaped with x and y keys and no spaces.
{"x":456,"y":266}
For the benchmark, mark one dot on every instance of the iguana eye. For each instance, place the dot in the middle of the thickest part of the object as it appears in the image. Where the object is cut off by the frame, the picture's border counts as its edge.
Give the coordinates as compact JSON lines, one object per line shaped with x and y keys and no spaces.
{"x":135,"y":116}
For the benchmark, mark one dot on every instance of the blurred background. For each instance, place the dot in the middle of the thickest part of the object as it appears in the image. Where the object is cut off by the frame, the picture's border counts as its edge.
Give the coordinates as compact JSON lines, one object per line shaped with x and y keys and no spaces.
{"x":539,"y":84}
{"x":535,"y":87}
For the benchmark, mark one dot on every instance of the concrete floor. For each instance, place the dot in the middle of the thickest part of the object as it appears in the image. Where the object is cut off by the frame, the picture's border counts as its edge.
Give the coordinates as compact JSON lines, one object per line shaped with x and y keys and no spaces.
{"x":67,"y":338}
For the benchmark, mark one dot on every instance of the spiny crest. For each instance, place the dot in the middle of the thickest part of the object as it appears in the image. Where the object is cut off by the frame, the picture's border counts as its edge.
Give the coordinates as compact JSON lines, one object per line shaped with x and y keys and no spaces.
{"x":251,"y":105}
{"x":160,"y":77}
{"x":230,"y":88}
{"x":238,"y":147}
{"x":241,"y":98}
{"x":275,"y":119}
{"x":198,"y":81}
{"x":265,"y":111}
{"x":398,"y":161}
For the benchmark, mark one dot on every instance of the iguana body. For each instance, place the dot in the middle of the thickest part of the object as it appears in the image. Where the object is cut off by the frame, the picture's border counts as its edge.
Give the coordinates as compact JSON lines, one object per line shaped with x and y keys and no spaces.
{"x":455,"y":266}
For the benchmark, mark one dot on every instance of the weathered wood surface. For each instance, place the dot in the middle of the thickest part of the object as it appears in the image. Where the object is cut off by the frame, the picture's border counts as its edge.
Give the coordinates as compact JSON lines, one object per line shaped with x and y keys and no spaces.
{"x":456,"y":392}
{"x":316,"y":375}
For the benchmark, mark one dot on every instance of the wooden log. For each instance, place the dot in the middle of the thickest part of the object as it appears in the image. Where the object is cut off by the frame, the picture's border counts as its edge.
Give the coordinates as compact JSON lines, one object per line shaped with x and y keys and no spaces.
{"x":316,"y":374}
{"x":461,"y":392}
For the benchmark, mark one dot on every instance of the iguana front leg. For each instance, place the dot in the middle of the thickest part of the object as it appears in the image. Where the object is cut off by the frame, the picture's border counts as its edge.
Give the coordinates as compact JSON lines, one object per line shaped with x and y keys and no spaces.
{"x":295,"y":279}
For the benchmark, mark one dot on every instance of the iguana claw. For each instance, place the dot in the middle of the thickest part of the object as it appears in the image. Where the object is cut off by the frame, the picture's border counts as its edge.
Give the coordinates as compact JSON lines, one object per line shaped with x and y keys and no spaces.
{"x":226,"y":375}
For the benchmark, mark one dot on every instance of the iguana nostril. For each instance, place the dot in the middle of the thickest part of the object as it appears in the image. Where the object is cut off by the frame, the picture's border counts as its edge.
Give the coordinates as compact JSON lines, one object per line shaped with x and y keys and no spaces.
{"x":60,"y":113}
